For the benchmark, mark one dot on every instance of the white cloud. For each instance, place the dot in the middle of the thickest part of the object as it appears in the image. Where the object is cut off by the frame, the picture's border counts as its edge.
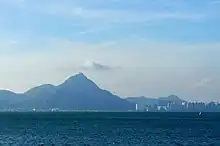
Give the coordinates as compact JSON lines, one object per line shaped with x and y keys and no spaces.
{"x":92,"y":65}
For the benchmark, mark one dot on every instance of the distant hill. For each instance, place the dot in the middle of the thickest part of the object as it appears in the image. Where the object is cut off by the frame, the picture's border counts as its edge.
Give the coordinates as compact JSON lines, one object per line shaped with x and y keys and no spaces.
{"x":171,"y":98}
{"x":144,"y":101}
{"x":7,"y":98}
{"x":76,"y":93}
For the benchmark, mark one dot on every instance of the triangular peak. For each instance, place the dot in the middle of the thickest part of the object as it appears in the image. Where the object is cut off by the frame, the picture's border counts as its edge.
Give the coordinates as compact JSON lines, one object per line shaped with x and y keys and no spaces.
{"x":80,"y":74}
{"x":79,"y":80}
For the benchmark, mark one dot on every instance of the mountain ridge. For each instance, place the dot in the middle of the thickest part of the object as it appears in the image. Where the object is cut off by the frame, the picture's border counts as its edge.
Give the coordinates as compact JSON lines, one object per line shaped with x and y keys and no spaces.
{"x":75,"y":93}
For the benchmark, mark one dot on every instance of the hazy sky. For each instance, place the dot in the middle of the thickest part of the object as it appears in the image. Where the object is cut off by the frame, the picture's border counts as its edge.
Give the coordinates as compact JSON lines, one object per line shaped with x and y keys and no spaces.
{"x":130,"y":47}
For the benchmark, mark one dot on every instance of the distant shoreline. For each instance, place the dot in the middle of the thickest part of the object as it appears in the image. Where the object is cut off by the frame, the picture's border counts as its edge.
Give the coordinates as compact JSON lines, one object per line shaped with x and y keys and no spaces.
{"x":74,"y":111}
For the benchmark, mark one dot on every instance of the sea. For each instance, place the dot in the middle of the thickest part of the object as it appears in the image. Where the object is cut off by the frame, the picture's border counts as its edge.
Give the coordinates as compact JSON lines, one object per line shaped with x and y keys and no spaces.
{"x":109,"y":129}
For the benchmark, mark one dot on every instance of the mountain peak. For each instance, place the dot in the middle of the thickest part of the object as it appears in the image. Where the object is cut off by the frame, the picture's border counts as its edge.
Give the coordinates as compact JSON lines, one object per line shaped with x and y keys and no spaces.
{"x":174,"y":97}
{"x":79,"y":80}
{"x":80,"y":74}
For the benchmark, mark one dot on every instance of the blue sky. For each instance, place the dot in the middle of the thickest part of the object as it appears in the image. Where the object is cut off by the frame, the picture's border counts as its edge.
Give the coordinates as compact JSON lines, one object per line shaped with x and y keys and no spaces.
{"x":160,"y":47}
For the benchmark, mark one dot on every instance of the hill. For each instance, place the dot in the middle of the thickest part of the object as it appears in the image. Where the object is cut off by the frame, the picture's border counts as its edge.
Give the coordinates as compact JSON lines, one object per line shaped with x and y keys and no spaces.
{"x":142,"y":101}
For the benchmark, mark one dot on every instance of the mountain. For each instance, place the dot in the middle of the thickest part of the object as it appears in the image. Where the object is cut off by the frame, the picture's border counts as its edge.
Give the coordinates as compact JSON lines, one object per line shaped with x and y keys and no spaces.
{"x":76,"y":93}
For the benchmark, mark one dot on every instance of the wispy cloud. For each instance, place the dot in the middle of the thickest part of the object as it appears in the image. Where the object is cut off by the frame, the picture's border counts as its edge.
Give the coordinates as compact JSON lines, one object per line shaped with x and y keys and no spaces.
{"x":108,"y":44}
{"x":215,"y":1}
{"x":87,"y":31}
{"x":177,"y":15}
{"x":111,"y":15}
{"x":91,"y":30}
{"x":13,"y":42}
{"x":81,"y":11}
{"x":202,"y":82}
{"x":96,"y":66}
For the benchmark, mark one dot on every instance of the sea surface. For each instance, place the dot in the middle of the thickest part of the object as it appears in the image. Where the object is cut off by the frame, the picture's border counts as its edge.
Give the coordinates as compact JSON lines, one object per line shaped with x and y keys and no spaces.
{"x":109,"y":128}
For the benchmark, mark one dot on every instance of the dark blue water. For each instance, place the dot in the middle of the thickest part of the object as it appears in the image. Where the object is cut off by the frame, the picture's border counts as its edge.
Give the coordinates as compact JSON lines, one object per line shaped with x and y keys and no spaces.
{"x":135,"y":129}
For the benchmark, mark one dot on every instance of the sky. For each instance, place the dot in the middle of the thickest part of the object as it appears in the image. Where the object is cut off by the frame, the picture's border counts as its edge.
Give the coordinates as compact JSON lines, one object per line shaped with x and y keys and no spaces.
{"x":150,"y":48}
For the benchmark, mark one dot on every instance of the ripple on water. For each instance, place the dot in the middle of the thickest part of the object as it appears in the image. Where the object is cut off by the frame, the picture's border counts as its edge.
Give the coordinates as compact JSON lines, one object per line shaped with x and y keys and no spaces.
{"x":70,"y":131}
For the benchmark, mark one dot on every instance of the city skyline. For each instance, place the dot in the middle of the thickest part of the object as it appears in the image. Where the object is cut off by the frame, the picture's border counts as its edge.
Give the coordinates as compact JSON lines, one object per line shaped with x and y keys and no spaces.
{"x":131,"y":48}
{"x":79,"y":93}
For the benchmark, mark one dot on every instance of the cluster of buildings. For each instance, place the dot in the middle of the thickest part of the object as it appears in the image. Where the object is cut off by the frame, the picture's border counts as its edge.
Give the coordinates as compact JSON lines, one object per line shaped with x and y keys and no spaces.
{"x":168,"y":106}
